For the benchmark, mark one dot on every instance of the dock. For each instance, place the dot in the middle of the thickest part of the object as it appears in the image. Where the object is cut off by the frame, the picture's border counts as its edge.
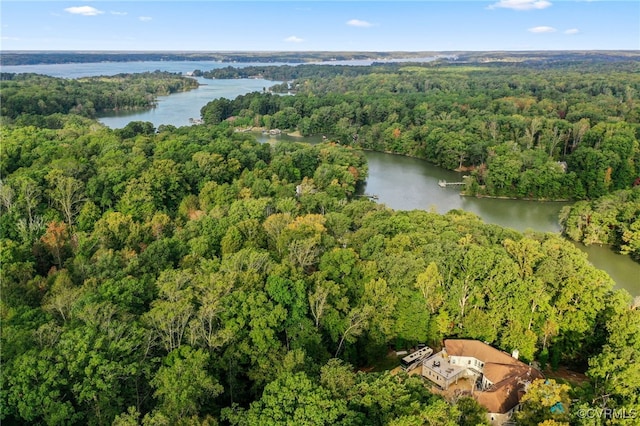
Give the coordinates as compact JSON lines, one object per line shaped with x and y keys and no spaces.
{"x":444,"y":183}
{"x":369,"y":196}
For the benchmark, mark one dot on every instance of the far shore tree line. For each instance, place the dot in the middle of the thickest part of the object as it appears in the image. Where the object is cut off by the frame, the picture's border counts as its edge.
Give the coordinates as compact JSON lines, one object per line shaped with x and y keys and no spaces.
{"x":520,"y":131}
{"x":28,"y":98}
{"x":564,"y":132}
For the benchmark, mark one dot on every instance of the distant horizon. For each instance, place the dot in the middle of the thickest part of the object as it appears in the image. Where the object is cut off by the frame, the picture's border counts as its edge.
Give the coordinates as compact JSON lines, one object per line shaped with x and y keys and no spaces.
{"x":97,"y":51}
{"x":328,"y":26}
{"x":42,"y":57}
{"x":86,"y":51}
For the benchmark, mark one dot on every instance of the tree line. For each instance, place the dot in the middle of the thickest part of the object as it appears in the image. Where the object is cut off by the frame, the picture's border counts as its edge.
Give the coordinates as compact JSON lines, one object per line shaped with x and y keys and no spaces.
{"x":613,"y":219}
{"x":520,"y":131}
{"x":290,"y":72}
{"x":33,"y":58}
{"x":29,"y":97}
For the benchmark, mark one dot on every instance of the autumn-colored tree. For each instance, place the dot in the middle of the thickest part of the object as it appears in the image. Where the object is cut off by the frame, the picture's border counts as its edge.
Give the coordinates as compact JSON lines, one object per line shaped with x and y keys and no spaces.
{"x":56,"y":239}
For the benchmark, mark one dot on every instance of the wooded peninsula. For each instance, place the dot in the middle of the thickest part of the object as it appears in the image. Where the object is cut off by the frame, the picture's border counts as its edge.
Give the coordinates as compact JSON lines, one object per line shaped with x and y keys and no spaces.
{"x":194,"y":276}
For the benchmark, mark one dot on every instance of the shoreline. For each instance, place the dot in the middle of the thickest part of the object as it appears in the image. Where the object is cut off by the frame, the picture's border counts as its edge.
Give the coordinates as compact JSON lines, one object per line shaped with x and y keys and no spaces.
{"x":297,"y":134}
{"x":262,"y":129}
{"x":504,"y":197}
{"x":496,"y":197}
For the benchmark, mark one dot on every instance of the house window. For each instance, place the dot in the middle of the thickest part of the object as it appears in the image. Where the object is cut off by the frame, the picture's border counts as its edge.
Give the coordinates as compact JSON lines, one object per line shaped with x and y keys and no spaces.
{"x":469,"y":362}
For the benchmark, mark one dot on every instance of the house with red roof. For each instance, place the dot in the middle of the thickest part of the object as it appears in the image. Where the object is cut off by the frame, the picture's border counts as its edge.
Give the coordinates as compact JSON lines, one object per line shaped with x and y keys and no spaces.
{"x":499,"y":379}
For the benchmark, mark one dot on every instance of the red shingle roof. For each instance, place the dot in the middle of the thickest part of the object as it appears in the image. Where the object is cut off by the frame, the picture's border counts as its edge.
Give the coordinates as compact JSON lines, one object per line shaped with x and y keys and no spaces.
{"x":507,"y":374}
{"x":478,"y":350}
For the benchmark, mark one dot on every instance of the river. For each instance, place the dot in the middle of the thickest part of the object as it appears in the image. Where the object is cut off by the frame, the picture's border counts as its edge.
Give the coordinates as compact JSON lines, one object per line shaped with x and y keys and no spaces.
{"x":405,"y":183}
{"x":400,"y":182}
{"x":112,"y":68}
{"x":178,"y":108}
{"x":175,"y":109}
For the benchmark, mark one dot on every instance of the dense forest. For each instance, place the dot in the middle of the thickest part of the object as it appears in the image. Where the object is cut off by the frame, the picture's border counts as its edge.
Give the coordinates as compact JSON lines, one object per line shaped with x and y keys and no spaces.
{"x":612,"y":219}
{"x":291,"y":72}
{"x":194,"y":276}
{"x":29,"y":97}
{"x":521,"y":131}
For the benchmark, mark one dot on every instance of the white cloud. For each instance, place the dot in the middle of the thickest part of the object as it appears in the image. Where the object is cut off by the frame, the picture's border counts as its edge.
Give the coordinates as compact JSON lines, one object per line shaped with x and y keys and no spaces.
{"x":521,"y":4}
{"x":84,"y":10}
{"x":572,"y":31}
{"x":293,"y":39}
{"x":10,"y":38}
{"x":542,"y":29}
{"x":359,"y":23}
{"x":145,"y":18}
{"x":113,"y":12}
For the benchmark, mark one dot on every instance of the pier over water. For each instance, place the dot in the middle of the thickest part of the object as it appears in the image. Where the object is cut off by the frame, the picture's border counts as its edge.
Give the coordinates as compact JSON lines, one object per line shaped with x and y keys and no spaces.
{"x":444,"y":183}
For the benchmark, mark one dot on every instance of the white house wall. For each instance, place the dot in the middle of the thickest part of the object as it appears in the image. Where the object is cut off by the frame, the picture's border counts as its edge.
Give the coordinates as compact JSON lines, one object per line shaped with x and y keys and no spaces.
{"x":486,"y":383}
{"x":467,"y":362}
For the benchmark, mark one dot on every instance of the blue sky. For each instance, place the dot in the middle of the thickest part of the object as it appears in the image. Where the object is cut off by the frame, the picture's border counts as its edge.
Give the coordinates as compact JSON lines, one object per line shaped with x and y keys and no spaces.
{"x":309,"y":25}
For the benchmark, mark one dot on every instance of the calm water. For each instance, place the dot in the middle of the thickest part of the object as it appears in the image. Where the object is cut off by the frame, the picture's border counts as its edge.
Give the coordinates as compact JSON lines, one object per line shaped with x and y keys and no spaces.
{"x":178,"y":108}
{"x":175,"y":109}
{"x":113,"y":68}
{"x":624,"y":271}
{"x":405,"y":183}
{"x":400,"y":182}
